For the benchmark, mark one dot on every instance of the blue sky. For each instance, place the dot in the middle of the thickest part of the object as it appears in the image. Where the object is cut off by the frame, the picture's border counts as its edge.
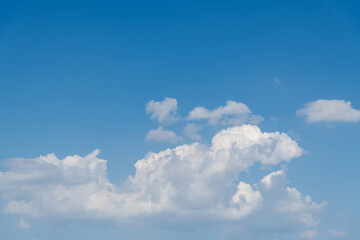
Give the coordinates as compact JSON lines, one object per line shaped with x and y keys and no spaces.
{"x":79,"y":76}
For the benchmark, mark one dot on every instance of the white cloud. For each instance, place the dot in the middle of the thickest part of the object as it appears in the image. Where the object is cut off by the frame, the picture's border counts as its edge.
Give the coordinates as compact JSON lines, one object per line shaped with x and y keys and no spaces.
{"x":338,"y":233}
{"x":163,"y":111}
{"x":192,"y":184}
{"x":233,"y":113}
{"x":23,"y":224}
{"x":191,"y":130}
{"x":309,"y":234}
{"x":329,"y":111}
{"x":161,"y":135}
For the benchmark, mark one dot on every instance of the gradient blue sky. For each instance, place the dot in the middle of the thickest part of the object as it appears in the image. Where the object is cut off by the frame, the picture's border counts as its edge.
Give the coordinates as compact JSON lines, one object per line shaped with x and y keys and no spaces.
{"x":75,"y":76}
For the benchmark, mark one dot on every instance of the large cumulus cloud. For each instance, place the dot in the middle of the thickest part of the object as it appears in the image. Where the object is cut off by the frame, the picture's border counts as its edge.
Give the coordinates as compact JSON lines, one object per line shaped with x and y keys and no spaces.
{"x":190,"y":181}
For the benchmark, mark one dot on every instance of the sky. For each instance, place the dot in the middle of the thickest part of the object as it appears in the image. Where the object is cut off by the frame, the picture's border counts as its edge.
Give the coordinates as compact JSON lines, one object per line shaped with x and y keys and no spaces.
{"x":179,"y":120}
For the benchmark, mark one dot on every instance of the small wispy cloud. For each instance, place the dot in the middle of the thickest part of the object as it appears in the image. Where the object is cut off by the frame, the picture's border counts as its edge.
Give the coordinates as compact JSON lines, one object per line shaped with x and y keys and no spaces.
{"x":191,"y":130}
{"x":233,"y":113}
{"x":23,"y":224}
{"x":309,"y":234}
{"x":277,"y":81}
{"x":162,"y":135}
{"x":337,"y":233}
{"x":273,"y":119}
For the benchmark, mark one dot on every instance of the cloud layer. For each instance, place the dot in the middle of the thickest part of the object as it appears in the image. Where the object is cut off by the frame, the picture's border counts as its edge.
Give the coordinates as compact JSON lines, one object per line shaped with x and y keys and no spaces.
{"x":190,"y":183}
{"x":329,"y":111}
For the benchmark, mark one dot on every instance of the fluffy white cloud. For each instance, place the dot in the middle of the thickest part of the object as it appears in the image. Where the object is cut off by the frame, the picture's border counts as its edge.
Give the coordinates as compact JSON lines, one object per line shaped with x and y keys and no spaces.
{"x":191,"y":130}
{"x":162,"y":135}
{"x":329,"y":111}
{"x":233,"y":113}
{"x":163,"y":111}
{"x":23,"y":224}
{"x":338,"y":233}
{"x":194,"y":182}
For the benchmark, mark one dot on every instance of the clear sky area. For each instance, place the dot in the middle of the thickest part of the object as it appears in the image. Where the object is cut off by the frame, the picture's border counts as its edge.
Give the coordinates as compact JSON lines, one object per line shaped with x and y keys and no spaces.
{"x":179,"y":120}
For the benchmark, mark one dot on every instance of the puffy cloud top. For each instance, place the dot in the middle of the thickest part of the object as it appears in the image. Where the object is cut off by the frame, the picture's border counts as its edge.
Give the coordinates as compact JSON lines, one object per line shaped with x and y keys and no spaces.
{"x":329,"y":111}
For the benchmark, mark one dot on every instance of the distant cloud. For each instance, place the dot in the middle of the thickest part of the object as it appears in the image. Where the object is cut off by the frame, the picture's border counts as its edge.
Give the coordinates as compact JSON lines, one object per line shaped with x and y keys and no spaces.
{"x":338,"y":233}
{"x":277,"y":81}
{"x":162,"y":135}
{"x":329,"y":111}
{"x":23,"y":224}
{"x":191,"y":130}
{"x":163,"y":111}
{"x":309,"y":234}
{"x":273,"y":119}
{"x":233,"y":113}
